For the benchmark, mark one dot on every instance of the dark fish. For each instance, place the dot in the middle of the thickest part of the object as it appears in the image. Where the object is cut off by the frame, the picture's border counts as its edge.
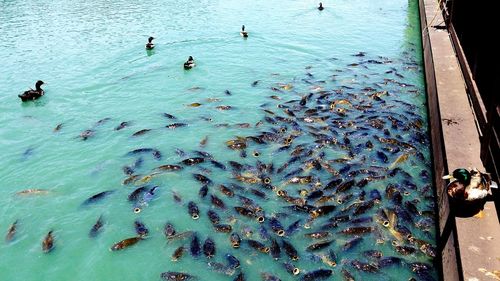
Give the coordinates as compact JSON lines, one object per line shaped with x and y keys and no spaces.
{"x":318,"y":235}
{"x":193,"y":161}
{"x":127,"y":170}
{"x":125,"y":243}
{"x":141,"y":132}
{"x":290,"y":268}
{"x":87,"y":134}
{"x":141,"y":229}
{"x":176,"y":276}
{"x":122,"y":125}
{"x":169,"y":116}
{"x":218,"y":165}
{"x":351,"y":243}
{"x":201,"y":178}
{"x":48,"y":243}
{"x":224,"y":228}
{"x":254,"y":83}
{"x":240,"y":277}
{"x":213,"y":217}
{"x":169,"y":230}
{"x":175,"y":125}
{"x":276,"y":226}
{"x":97,"y":197}
{"x":318,"y":246}
{"x":292,"y":228}
{"x":232,"y":261}
{"x":347,"y":276}
{"x":58,"y":127}
{"x":94,"y":231}
{"x":226,"y":190}
{"x":319,"y":274}
{"x":216,"y":201}
{"x":193,"y":210}
{"x":290,"y":250}
{"x":203,"y":191}
{"x":136,"y":194}
{"x":195,"y":247}
{"x":275,"y":249}
{"x":357,"y":230}
{"x":244,"y":212}
{"x":178,"y":253}
{"x":365,"y":266}
{"x":169,"y":167}
{"x":227,"y":92}
{"x":321,"y":211}
{"x":11,"y":232}
{"x":258,"y":246}
{"x":389,"y":261}
{"x":269,"y":277}
{"x":209,"y":248}
{"x":235,"y":240}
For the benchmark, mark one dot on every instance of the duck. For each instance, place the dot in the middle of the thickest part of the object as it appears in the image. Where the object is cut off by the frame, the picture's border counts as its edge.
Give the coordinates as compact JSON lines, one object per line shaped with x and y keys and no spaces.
{"x":33,"y":94}
{"x":150,"y":45}
{"x":189,"y":63}
{"x":321,"y":8}
{"x":243,"y":33}
{"x":469,"y":185}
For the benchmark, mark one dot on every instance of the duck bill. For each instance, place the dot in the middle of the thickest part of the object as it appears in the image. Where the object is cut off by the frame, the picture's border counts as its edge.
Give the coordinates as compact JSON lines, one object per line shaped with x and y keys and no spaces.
{"x":448,"y":177}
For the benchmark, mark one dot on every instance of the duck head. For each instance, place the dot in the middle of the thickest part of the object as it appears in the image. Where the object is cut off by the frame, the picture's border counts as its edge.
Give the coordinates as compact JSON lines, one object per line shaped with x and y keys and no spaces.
{"x":243,"y":28}
{"x":38,"y":84}
{"x":461,"y":175}
{"x":150,"y":39}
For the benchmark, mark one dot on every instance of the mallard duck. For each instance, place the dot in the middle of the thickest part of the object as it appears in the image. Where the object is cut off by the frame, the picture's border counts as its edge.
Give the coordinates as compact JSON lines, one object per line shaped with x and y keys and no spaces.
{"x":33,"y":94}
{"x":150,"y":45}
{"x":243,"y":33}
{"x":321,"y":6}
{"x":469,"y":185}
{"x":189,"y":63}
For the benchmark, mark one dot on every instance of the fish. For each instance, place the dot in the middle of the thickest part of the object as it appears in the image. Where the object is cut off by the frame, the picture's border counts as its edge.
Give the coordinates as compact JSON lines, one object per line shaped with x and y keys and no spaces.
{"x":193,"y":161}
{"x":176,"y":125}
{"x":401,"y":158}
{"x":290,"y":250}
{"x":194,"y":104}
{"x":97,"y":197}
{"x":204,"y":141}
{"x":319,"y":274}
{"x":178,"y":253}
{"x":33,"y":191}
{"x":94,"y":231}
{"x":141,"y":132}
{"x":169,"y":116}
{"x":224,"y":228}
{"x":58,"y":127}
{"x":217,"y":202}
{"x":48,"y":243}
{"x":318,"y":246}
{"x":168,"y":168}
{"x":269,"y":277}
{"x":195,"y":247}
{"x":193,"y":210}
{"x":11,"y":232}
{"x":209,"y":248}
{"x":176,"y":276}
{"x":258,"y":246}
{"x":232,"y":261}
{"x":122,"y":125}
{"x":202,"y":179}
{"x":235,"y":240}
{"x":213,"y":216}
{"x":141,"y":229}
{"x":86,"y":134}
{"x":290,"y":268}
{"x":275,"y":249}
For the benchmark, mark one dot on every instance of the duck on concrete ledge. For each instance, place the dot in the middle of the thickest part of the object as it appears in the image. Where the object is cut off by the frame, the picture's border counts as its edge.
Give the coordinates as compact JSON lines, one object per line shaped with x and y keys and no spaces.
{"x":469,"y":185}
{"x":33,"y":94}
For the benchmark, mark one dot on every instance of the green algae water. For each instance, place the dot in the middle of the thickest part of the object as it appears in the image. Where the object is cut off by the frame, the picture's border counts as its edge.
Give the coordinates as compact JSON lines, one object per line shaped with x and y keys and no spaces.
{"x":332,"y":102}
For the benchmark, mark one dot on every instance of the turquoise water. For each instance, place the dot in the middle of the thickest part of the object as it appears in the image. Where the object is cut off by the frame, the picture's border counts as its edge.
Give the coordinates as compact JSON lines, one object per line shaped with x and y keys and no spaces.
{"x":91,"y":56}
